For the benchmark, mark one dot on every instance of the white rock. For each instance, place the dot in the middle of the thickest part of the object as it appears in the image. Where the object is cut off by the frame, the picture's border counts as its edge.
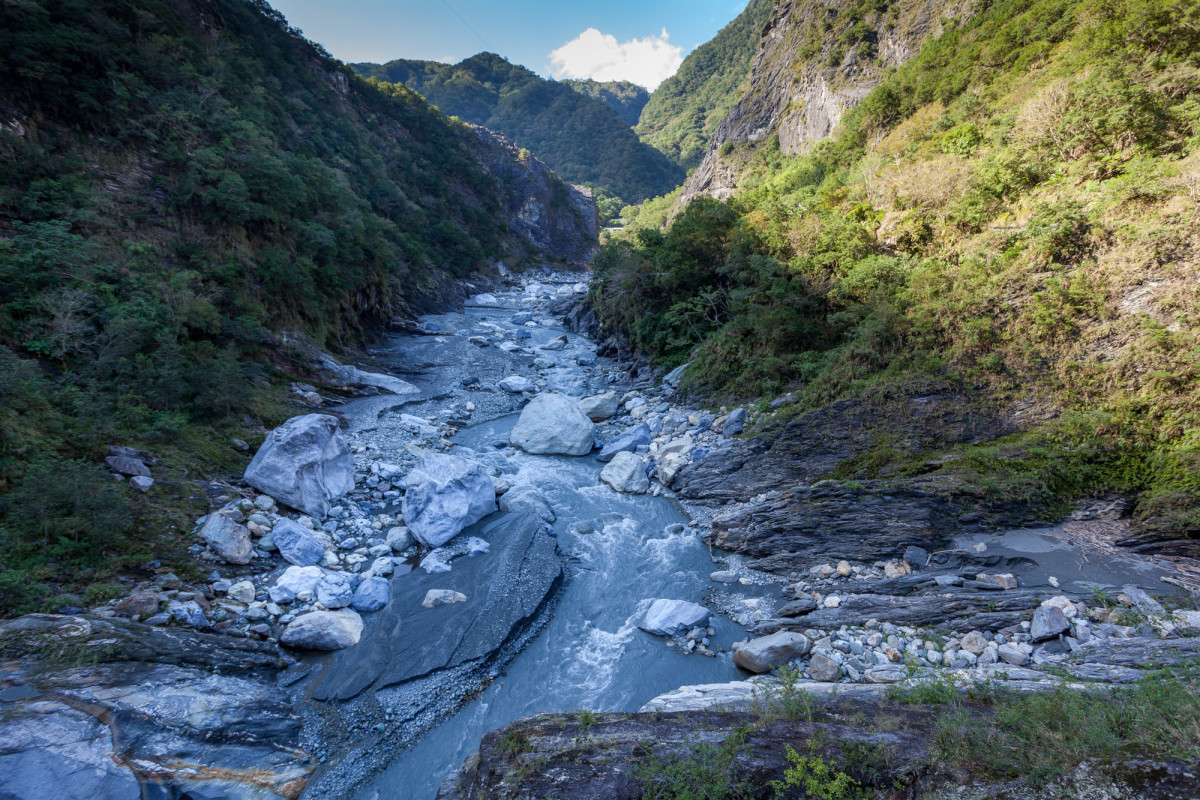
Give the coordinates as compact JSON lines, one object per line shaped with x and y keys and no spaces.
{"x":304,"y":463}
{"x":552,"y":424}
{"x":669,"y":617}
{"x":626,"y":473}
{"x":442,"y":597}
{"x":599,"y":407}
{"x":517,"y":384}
{"x":324,"y":630}
{"x":445,"y":494}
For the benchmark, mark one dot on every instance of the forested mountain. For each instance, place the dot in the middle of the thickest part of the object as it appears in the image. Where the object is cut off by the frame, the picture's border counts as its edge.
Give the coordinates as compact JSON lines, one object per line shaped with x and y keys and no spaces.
{"x":1012,"y":210}
{"x":583,"y":139}
{"x":180,"y":180}
{"x":627,"y":99}
{"x":684,"y":111}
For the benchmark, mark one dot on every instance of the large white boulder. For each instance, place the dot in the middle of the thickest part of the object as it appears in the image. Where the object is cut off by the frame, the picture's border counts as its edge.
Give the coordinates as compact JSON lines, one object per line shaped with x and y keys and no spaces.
{"x":626,"y":473}
{"x":444,"y":494}
{"x":669,"y":617}
{"x":552,"y":424}
{"x":304,"y":463}
{"x":324,"y":630}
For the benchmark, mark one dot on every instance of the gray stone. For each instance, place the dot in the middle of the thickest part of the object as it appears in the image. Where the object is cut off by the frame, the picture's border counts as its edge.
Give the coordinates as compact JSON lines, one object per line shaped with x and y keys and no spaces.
{"x":334,"y":591}
{"x":1048,"y":622}
{"x":1142,"y":601}
{"x":372,"y":594}
{"x":293,"y":581}
{"x":304,"y":463}
{"x":1005,"y":580}
{"x":528,"y":499}
{"x":885,"y":673}
{"x":188,"y":613}
{"x":823,"y":668}
{"x":735,"y":423}
{"x":128,"y":466}
{"x":627,"y":441}
{"x":141,"y":482}
{"x":1011,"y":654}
{"x":732,"y":696}
{"x":442,"y":597}
{"x":799,"y":607}
{"x":445,"y":494}
{"x":227,"y":538}
{"x":599,"y":407}
{"x":670,"y":466}
{"x":399,"y":539}
{"x":675,"y":376}
{"x":242,"y":592}
{"x":137,"y":605}
{"x":323,"y":630}
{"x":297,"y":544}
{"x":917,"y":557}
{"x":669,"y":617}
{"x":552,"y":424}
{"x":724,"y":576}
{"x":974,"y":643}
{"x":517,"y":384}
{"x":768,"y":652}
{"x":53,"y":750}
{"x":626,"y":473}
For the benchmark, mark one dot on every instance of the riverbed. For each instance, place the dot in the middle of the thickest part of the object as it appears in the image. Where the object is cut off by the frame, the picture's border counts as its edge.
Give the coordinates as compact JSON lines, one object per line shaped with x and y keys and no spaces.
{"x":622,"y":550}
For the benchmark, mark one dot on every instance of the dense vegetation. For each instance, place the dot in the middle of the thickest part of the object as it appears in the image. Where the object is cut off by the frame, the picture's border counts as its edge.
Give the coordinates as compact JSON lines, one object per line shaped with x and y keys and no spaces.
{"x":583,"y":139}
{"x":1014,"y":209}
{"x":685,"y":110}
{"x":177,"y":181}
{"x":627,"y":99}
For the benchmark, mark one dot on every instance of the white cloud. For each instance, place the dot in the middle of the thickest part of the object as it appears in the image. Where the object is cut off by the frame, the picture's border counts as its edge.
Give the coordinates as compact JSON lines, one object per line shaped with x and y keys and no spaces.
{"x":592,"y":54}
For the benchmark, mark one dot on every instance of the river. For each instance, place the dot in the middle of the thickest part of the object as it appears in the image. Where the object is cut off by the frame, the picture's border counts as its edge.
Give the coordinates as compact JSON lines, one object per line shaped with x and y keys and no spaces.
{"x":622,"y":550}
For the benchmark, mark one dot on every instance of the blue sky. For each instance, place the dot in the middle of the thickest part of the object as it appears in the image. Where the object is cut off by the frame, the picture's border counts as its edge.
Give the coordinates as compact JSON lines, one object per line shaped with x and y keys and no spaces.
{"x":639,"y":41}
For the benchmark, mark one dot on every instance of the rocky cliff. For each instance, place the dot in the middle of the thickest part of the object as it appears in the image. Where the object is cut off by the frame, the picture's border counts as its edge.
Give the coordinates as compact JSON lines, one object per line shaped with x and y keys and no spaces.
{"x":553,"y":217}
{"x":816,"y":60}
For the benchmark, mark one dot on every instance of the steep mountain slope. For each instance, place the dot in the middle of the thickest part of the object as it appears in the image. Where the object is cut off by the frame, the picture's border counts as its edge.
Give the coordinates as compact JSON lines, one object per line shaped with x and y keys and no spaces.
{"x":583,"y":139}
{"x":181,"y":180}
{"x":627,"y":99}
{"x":815,"y":62}
{"x":683,"y":112}
{"x":1012,"y":213}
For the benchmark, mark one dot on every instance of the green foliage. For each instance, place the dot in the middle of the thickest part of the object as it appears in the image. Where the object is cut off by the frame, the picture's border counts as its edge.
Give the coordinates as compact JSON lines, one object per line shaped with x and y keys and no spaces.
{"x":817,"y":778}
{"x":177,"y":183}
{"x":684,"y":111}
{"x":1038,"y":735}
{"x":981,"y":216}
{"x":627,"y":99}
{"x":581,"y":138}
{"x":707,"y":772}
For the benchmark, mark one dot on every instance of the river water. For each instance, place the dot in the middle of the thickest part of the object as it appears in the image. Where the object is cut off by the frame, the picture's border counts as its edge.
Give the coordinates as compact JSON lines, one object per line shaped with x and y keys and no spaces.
{"x":623,"y":551}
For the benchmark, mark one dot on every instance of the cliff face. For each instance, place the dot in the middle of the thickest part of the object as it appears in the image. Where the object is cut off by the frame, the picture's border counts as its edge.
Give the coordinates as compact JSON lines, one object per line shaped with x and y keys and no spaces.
{"x":548,"y":215}
{"x":816,"y":60}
